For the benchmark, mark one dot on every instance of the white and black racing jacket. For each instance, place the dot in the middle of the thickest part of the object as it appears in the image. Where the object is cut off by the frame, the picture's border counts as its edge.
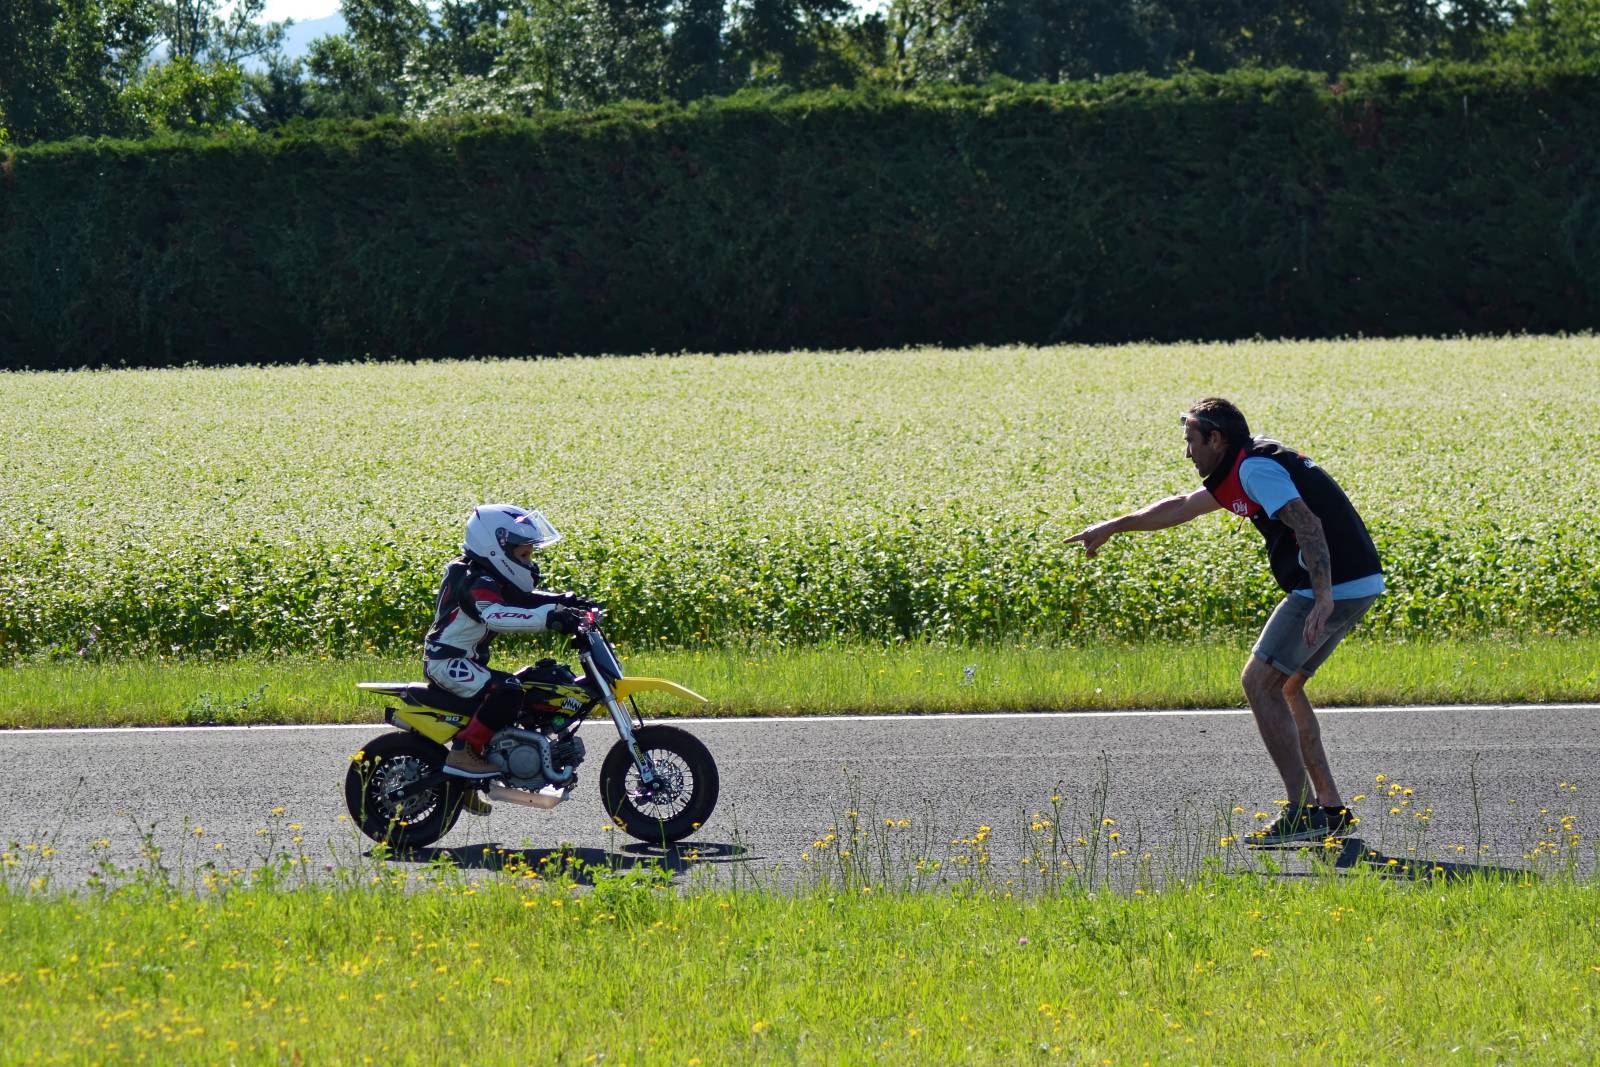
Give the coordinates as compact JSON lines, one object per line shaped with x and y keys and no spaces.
{"x":474,"y":605}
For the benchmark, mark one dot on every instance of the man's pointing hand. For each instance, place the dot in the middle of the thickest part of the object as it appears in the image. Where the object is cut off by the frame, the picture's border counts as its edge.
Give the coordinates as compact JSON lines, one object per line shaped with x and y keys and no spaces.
{"x":1092,"y":538}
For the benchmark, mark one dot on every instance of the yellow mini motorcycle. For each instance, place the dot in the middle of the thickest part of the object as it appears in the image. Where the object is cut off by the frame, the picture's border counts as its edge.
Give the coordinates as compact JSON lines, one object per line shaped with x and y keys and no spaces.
{"x":658,"y":783}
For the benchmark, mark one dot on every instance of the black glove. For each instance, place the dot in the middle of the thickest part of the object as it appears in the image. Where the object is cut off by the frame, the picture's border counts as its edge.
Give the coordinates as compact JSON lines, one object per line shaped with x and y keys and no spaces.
{"x":564,"y":620}
{"x":569,"y":599}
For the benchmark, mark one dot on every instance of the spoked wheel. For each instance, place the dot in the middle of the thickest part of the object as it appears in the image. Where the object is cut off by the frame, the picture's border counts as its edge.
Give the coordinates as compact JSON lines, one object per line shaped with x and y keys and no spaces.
{"x":680,"y":800}
{"x":387,"y":763}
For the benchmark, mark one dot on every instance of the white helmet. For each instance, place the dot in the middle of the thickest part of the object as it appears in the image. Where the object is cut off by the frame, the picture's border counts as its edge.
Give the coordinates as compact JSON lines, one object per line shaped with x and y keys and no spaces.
{"x":494,"y":529}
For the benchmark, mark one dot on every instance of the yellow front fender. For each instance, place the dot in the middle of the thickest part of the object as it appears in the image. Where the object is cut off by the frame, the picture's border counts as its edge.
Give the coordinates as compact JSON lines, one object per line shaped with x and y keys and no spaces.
{"x":629,"y":686}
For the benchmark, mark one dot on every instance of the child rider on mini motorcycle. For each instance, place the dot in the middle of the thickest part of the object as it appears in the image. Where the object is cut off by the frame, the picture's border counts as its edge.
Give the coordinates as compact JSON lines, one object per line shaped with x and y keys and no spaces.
{"x":492,"y":588}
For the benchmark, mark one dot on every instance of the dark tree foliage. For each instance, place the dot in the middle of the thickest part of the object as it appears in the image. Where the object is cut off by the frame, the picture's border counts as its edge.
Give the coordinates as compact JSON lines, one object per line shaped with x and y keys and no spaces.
{"x":788,"y":42}
{"x":132,"y":67}
{"x":65,"y":63}
{"x":526,"y":56}
{"x":695,"y":50}
{"x":361,"y":72}
{"x":73,"y":68}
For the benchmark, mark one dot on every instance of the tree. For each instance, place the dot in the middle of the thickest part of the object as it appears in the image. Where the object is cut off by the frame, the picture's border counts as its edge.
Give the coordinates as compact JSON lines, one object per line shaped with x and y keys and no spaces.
{"x":1552,"y":31}
{"x":362,"y":72}
{"x":804,"y":44}
{"x":65,"y":63}
{"x":553,"y":55}
{"x":278,"y":94}
{"x":1025,"y":40}
{"x":695,"y":50}
{"x":125,"y":67}
{"x":204,"y":32}
{"x":1083,"y":39}
{"x":183,"y":94}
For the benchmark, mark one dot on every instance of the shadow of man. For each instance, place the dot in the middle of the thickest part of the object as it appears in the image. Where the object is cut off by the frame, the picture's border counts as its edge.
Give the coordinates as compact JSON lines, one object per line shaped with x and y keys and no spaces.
{"x":1355,"y":853}
{"x":579,"y":865}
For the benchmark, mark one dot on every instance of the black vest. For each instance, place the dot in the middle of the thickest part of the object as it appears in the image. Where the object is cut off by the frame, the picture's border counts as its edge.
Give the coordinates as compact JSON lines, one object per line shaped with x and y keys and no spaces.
{"x":1350,"y":548}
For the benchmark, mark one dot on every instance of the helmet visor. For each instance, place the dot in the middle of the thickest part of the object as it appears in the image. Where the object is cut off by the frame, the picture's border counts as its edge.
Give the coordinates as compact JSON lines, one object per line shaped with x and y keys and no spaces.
{"x":529,"y":528}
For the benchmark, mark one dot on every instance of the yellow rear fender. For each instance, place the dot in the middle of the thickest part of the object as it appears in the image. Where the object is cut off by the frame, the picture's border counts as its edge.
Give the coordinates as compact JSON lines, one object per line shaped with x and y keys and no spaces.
{"x":627,"y":687}
{"x":431,"y":723}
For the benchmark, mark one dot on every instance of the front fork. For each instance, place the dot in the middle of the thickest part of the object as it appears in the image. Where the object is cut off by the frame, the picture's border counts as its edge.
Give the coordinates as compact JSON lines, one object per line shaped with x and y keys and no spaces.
{"x":624,"y":723}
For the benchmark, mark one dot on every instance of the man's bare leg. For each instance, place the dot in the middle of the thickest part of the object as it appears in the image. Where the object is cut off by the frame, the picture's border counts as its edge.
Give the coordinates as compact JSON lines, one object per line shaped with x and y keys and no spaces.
{"x":1312,"y":755}
{"x":1264,"y":688}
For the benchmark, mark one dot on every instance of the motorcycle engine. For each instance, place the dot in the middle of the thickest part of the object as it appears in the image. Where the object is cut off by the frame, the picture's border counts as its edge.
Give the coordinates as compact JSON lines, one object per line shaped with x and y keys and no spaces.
{"x":531,"y":760}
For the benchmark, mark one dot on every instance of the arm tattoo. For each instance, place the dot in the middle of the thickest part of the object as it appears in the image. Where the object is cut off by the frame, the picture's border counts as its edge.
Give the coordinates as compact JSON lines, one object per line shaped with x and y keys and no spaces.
{"x":1313,"y":543}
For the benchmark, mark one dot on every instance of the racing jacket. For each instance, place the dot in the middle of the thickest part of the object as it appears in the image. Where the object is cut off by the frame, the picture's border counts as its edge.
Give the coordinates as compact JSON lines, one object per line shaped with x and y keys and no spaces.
{"x":475,"y":604}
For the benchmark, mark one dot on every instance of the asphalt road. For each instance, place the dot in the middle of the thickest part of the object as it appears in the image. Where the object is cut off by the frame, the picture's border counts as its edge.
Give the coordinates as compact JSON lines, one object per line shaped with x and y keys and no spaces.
{"x":785,"y":782}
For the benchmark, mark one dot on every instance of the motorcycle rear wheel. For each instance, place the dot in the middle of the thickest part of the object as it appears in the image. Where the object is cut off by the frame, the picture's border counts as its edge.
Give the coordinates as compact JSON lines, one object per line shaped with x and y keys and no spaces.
{"x":390,"y":760}
{"x":683,"y":801}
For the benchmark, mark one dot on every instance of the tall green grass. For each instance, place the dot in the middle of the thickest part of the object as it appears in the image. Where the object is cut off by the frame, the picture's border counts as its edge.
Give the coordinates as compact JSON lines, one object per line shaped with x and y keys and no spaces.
{"x":888,"y":938}
{"x":834,"y":679}
{"x":798,"y":499}
{"x":1219,"y":970}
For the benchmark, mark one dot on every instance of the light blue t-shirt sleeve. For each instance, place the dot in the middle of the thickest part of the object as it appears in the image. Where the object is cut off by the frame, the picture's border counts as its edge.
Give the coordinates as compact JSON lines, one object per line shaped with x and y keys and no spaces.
{"x":1267,"y":483}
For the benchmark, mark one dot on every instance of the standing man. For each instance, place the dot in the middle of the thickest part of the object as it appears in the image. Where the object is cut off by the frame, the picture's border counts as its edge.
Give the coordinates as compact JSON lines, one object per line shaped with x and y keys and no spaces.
{"x":1322,"y":557}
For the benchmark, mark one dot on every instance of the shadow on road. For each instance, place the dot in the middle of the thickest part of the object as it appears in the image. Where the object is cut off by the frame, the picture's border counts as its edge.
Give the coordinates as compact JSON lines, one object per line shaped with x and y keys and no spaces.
{"x":1354,"y":853}
{"x":579,"y":864}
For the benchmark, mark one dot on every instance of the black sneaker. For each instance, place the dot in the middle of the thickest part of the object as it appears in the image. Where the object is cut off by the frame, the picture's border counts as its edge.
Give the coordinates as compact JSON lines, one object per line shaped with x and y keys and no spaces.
{"x":1295,"y":823}
{"x":1341,"y":820}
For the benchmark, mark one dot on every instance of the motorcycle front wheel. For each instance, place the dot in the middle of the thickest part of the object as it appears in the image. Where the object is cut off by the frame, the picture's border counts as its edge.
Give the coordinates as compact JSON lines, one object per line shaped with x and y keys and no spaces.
{"x":388,"y":762}
{"x":682,"y":796}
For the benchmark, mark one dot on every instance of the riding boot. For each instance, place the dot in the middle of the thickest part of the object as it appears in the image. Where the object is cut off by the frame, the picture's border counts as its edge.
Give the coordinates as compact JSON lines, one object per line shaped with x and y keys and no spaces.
{"x":467,"y":761}
{"x":476,"y":734}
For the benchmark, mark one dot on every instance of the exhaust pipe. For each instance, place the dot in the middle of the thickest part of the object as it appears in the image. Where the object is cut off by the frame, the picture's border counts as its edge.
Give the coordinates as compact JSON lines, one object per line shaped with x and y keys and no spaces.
{"x":546,"y":798}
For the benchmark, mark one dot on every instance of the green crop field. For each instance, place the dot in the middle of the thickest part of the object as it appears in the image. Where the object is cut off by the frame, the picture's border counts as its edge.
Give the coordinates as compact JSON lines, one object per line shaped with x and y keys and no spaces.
{"x":787,"y":499}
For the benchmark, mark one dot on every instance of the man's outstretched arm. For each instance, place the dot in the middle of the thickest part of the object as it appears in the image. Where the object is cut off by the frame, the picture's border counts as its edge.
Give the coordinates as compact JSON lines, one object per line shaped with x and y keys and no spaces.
{"x":1173,"y":511}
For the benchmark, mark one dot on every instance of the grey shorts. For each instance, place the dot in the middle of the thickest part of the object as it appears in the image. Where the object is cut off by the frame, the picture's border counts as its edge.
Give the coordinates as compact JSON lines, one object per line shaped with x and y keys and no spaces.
{"x":1282,"y":643}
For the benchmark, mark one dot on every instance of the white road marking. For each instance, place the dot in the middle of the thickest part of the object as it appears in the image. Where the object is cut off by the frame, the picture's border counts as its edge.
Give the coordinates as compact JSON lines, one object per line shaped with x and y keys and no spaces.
{"x":931,"y":716}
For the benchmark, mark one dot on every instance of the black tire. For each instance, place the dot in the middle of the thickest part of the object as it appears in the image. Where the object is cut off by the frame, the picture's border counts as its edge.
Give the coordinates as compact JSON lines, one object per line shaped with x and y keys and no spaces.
{"x":689,"y":779}
{"x":392,"y":759}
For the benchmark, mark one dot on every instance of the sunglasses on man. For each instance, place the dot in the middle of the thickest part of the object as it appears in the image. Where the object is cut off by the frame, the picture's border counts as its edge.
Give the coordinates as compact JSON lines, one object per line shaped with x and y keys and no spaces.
{"x":1186,"y":417}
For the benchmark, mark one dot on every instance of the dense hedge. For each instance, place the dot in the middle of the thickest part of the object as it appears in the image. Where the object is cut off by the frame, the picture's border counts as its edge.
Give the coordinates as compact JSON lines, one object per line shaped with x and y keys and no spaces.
{"x":1445,"y":200}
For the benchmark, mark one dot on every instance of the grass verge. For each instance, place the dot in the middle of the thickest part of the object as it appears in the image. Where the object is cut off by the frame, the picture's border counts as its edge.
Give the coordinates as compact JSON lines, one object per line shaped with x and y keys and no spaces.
{"x":1224,"y":969}
{"x":889,"y":940}
{"x":826,"y":680}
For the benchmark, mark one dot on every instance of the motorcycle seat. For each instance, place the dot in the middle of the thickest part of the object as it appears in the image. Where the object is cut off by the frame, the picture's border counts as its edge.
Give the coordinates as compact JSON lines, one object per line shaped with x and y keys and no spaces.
{"x":428,"y":695}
